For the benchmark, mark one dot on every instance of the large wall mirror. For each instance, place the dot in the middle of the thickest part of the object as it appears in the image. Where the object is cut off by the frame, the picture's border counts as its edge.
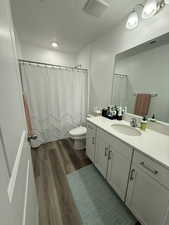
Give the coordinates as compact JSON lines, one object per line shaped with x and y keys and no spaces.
{"x":141,"y":79}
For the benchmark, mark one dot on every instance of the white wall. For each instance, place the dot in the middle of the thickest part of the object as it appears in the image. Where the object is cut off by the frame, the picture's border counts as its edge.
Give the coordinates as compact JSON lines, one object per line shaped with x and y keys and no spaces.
{"x":44,"y":55}
{"x":18,"y":45}
{"x":105,"y":48}
{"x":83,"y":57}
{"x":35,"y":53}
{"x":101,"y":72}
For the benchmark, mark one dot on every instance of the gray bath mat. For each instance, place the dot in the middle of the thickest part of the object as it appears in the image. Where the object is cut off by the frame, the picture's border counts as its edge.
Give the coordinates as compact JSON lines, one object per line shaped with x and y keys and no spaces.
{"x":96,"y":201}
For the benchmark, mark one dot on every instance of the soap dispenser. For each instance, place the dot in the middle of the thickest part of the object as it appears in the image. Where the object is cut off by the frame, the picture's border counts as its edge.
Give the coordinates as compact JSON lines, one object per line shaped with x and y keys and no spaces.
{"x":143,"y":124}
{"x":153,"y":118}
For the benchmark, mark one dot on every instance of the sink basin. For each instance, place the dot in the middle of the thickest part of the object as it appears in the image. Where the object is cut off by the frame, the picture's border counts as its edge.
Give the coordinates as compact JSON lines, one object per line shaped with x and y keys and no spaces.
{"x":127,"y":130}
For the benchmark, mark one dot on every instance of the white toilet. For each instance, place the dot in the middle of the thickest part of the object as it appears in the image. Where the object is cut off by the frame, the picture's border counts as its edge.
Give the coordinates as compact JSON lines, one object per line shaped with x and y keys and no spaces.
{"x":78,"y":135}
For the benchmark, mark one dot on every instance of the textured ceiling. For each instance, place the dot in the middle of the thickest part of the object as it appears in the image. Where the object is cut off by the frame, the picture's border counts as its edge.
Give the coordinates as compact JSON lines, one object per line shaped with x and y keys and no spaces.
{"x":39,"y":22}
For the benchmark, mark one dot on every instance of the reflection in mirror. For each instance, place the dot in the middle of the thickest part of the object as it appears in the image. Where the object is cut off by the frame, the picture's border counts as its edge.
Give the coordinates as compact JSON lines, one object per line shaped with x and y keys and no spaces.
{"x":141,"y":79}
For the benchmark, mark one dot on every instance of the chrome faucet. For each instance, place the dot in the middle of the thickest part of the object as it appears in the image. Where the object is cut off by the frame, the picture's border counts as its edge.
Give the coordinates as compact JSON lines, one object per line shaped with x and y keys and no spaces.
{"x":133,"y":122}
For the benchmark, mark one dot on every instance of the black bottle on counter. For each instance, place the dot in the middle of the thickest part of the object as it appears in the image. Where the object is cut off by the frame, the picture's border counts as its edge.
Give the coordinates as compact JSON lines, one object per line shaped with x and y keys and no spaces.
{"x":115,"y":112}
{"x":104,"y":112}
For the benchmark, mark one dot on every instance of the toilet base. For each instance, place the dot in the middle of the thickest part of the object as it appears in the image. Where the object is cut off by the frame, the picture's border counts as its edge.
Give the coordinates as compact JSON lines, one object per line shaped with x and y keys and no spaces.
{"x":79,"y":144}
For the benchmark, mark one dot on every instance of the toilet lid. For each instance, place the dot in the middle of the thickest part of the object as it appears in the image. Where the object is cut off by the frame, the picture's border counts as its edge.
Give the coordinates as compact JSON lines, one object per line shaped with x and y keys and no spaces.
{"x":78,"y":131}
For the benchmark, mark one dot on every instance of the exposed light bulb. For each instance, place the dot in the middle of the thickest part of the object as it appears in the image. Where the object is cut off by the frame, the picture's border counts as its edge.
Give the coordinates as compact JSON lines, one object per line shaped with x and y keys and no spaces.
{"x":150,"y":9}
{"x":132,"y":21}
{"x":54,"y":44}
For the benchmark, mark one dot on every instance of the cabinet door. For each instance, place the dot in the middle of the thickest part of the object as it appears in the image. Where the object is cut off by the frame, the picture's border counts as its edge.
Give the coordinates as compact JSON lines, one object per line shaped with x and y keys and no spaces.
{"x":101,"y":154}
{"x":146,"y":198}
{"x":91,"y":141}
{"x":118,"y":172}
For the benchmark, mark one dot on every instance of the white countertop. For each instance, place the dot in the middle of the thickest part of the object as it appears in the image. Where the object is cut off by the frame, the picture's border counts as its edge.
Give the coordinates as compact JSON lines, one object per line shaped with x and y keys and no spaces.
{"x":151,"y":143}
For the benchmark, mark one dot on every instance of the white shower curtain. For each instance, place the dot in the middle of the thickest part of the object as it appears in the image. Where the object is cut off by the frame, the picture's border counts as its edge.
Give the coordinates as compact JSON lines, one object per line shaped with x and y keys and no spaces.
{"x":57,"y":100}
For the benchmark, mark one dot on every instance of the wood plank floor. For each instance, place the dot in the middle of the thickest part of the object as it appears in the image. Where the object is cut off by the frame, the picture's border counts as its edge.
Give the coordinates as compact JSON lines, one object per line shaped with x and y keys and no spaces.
{"x":51,"y":163}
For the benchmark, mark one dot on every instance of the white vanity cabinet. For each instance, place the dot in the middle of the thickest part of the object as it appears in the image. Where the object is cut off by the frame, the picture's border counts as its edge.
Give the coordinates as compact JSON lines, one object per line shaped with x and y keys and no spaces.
{"x":148,"y":191}
{"x":139,"y":180}
{"x":119,"y":161}
{"x":91,"y":141}
{"x":113,"y":159}
{"x":102,"y":151}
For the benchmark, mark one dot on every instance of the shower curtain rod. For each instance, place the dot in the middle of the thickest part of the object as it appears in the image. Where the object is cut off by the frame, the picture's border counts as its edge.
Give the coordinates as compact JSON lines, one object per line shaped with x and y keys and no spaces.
{"x":51,"y":65}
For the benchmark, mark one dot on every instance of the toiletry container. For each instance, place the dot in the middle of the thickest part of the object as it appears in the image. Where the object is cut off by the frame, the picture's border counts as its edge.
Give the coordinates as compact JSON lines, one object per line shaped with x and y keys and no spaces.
{"x":143,"y":124}
{"x":153,"y":119}
{"x":120,"y":114}
{"x":104,"y":112}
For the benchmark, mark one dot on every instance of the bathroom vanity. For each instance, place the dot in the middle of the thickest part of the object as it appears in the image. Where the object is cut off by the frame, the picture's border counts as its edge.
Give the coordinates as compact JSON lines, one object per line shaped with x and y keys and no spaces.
{"x":136,"y":165}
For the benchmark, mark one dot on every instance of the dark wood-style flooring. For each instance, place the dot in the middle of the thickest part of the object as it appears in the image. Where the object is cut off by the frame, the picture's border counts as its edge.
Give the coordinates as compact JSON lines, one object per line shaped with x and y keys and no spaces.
{"x":52,"y":162}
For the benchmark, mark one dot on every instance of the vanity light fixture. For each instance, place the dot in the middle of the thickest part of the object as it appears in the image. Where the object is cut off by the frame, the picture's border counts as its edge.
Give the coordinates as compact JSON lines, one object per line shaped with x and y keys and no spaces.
{"x":133,"y":20}
{"x":55,"y":44}
{"x":150,"y":8}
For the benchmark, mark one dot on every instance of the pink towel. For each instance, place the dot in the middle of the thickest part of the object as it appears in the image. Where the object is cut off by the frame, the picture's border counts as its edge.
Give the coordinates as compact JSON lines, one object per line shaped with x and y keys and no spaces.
{"x":28,"y":118}
{"x":142,"y":104}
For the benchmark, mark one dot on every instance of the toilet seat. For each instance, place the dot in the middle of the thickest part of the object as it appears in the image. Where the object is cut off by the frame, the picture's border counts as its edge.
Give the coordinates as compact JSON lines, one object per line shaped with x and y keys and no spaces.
{"x":78,"y":135}
{"x":78,"y":131}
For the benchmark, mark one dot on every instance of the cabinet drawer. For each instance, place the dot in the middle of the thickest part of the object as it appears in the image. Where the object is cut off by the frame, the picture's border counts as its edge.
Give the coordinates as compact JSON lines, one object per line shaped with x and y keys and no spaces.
{"x":116,"y":145}
{"x":104,"y":135}
{"x":153,"y":168}
{"x":121,"y":147}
